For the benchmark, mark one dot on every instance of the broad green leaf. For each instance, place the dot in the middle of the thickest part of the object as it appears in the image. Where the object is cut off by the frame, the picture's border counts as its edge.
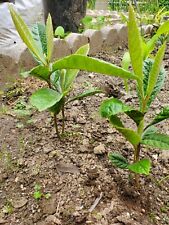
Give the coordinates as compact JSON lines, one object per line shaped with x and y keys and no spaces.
{"x":163,"y":29}
{"x":141,"y":167}
{"x":118,"y":160}
{"x":45,"y":98}
{"x":156,"y":140}
{"x":39,"y":35}
{"x":92,"y":65}
{"x":50,"y":37}
{"x":72,"y":74}
{"x":148,"y":63}
{"x":153,"y":77}
{"x":26,"y":35}
{"x":136,"y":116}
{"x":163,"y":115}
{"x":129,"y":134}
{"x":87,"y":93}
{"x":113,"y":106}
{"x":57,"y":107}
{"x":135,"y":44}
{"x":41,"y":72}
{"x":149,"y":130}
{"x":60,"y":32}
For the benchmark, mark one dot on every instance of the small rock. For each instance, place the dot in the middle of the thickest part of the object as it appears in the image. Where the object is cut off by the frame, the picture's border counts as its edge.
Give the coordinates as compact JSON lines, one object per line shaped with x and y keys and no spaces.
{"x":54,"y":153}
{"x":49,"y":205}
{"x":2,"y":221}
{"x":99,"y":150}
{"x":52,"y":219}
{"x":19,"y":203}
{"x":164,"y":155}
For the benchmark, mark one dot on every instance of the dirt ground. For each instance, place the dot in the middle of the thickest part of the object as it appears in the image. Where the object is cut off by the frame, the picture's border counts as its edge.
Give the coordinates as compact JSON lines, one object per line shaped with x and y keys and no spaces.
{"x":76,"y":182}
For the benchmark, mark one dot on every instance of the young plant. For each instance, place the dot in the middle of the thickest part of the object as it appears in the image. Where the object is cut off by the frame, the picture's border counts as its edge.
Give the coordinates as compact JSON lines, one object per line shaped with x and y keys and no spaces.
{"x":60,"y":32}
{"x":149,"y":76}
{"x":55,"y":97}
{"x":38,"y":194}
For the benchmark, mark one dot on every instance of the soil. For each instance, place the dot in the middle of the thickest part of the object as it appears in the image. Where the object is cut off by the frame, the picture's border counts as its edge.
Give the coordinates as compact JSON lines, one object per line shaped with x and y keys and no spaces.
{"x":78,"y":184}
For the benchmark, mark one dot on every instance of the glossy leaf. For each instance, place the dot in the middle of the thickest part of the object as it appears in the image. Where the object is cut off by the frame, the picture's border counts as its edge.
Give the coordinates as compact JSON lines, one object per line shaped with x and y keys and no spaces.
{"x":156,"y":140}
{"x":129,"y":134}
{"x":50,"y":37}
{"x":113,"y":106}
{"x":118,"y":160}
{"x":153,"y":77}
{"x":72,"y":73}
{"x":149,"y":130}
{"x":136,"y":116}
{"x":39,"y":35}
{"x":92,"y":65}
{"x":60,"y":32}
{"x":26,"y":35}
{"x":41,"y":72}
{"x":87,"y":93}
{"x":163,"y":115}
{"x":45,"y":98}
{"x":135,"y":44}
{"x":148,"y":63}
{"x":141,"y":167}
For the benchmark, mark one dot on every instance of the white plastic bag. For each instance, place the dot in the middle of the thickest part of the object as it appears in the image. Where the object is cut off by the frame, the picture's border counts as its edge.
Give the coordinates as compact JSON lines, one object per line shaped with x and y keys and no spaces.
{"x":31,"y":12}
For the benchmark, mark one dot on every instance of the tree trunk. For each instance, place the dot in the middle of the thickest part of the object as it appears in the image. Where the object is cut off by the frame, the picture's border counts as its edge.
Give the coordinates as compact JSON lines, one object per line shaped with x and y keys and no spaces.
{"x":66,"y":13}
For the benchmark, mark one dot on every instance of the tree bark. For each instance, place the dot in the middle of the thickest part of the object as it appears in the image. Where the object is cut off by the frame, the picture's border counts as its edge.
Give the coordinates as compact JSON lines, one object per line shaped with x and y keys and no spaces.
{"x":66,"y":13}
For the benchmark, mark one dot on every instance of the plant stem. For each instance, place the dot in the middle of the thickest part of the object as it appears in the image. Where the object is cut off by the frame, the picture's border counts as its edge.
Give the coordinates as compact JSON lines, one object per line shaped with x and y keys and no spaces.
{"x":63,"y":118}
{"x":136,"y":159}
{"x":56,"y":126}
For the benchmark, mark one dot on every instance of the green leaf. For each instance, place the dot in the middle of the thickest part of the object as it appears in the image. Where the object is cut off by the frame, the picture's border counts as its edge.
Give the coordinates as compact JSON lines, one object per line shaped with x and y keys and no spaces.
{"x":163,"y":115}
{"x":37,"y":195}
{"x":45,"y":98}
{"x":141,"y":167}
{"x":135,"y":44}
{"x":50,"y":37}
{"x":153,"y":77}
{"x":148,"y":63}
{"x":39,"y":35}
{"x":72,"y":74}
{"x":118,"y":160}
{"x":149,"y":130}
{"x":136,"y":116}
{"x":87,"y":93}
{"x":26,"y":35}
{"x":92,"y":65}
{"x":163,"y":29}
{"x":41,"y":72}
{"x":113,"y":106}
{"x":156,"y":140}
{"x":60,"y":32}
{"x":129,"y":134}
{"x":126,"y":61}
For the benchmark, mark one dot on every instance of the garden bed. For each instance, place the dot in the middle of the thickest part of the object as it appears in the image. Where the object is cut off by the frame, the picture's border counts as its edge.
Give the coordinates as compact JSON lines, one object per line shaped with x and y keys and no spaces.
{"x":75,"y":172}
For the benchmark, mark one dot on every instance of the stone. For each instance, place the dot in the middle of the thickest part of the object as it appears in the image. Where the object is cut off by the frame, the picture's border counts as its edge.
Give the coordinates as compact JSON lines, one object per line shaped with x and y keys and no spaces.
{"x":164,"y":155}
{"x":49,"y":205}
{"x":110,"y":36}
{"x":75,"y":41}
{"x":122,"y":33}
{"x":52,"y":219}
{"x":99,"y":150}
{"x":19,"y":202}
{"x":61,"y":49}
{"x":95,"y":39}
{"x":2,"y":221}
{"x":26,"y":60}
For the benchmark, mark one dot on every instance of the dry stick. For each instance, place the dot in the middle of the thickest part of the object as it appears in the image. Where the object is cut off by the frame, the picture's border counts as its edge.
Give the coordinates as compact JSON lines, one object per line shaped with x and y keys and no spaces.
{"x":56,"y":126}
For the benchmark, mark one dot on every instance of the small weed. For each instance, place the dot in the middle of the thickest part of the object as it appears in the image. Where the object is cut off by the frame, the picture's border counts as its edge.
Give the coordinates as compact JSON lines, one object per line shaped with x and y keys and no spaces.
{"x":38,"y":193}
{"x":8,"y":208}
